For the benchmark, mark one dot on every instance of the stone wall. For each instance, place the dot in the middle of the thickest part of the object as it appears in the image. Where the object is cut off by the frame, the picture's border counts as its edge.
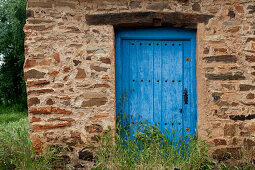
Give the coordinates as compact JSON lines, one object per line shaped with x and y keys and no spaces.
{"x":69,"y":70}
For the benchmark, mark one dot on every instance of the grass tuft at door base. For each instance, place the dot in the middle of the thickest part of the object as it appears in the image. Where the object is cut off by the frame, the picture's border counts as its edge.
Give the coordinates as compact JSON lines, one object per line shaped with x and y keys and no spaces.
{"x":151,"y":149}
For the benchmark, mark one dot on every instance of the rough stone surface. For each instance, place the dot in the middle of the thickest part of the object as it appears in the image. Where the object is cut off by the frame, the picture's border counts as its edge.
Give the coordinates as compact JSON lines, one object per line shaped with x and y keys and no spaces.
{"x":70,"y":68}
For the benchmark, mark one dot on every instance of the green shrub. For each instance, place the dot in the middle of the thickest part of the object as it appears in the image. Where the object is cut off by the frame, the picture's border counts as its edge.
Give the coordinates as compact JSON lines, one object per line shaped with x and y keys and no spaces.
{"x":16,"y":151}
{"x":150,"y":149}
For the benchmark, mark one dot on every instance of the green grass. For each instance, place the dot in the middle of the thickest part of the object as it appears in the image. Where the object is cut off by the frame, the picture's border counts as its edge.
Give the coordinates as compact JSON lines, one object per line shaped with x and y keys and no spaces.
{"x":16,"y":151}
{"x":151,"y":149}
{"x":12,"y":113}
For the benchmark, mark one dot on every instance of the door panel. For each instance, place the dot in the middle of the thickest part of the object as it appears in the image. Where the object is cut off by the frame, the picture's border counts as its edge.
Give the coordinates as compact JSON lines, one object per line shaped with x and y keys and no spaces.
{"x":152,"y":76}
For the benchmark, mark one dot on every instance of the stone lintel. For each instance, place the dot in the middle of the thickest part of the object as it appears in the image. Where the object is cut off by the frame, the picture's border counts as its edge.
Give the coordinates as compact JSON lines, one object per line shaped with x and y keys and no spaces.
{"x":148,"y":19}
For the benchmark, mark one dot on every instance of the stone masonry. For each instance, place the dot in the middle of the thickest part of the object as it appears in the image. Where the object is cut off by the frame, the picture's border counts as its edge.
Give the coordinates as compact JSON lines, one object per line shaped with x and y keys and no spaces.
{"x":70,"y":69}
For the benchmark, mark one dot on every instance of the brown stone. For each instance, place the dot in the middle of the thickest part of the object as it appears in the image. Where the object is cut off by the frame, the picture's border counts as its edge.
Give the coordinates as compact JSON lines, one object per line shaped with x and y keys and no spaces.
{"x":99,"y":116}
{"x":206,"y":51}
{"x":61,"y":119}
{"x":222,"y":50}
{"x":98,"y":68}
{"x":74,"y":139}
{"x":36,"y":142}
{"x":196,"y":7}
{"x":219,"y":142}
{"x":35,"y":119}
{"x":33,"y":101}
{"x":105,"y":60}
{"x":105,"y":77}
{"x":227,"y":153}
{"x":30,"y":63}
{"x":221,"y":58}
{"x":246,"y":87}
{"x":104,"y":85}
{"x":94,"y":128}
{"x":67,"y":69}
{"x":63,"y":97}
{"x":135,"y":4}
{"x":248,"y":142}
{"x":39,"y":83}
{"x":253,"y":46}
{"x":50,"y":102}
{"x":53,"y":73}
{"x":250,"y":58}
{"x":49,"y":110}
{"x":56,"y":56}
{"x":38,"y":92}
{"x":76,"y":62}
{"x":34,"y":74}
{"x":234,"y":29}
{"x":47,"y":4}
{"x":229,"y":130}
{"x":250,"y":96}
{"x":226,"y":76}
{"x":80,"y":74}
{"x":94,"y":102}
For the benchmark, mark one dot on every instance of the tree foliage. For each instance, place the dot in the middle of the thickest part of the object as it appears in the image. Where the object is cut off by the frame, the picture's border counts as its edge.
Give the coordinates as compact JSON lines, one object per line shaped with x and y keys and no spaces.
{"x":12,"y":20}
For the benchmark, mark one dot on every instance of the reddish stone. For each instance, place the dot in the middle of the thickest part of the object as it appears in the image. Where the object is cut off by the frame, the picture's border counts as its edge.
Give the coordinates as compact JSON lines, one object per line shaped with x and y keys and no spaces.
{"x":80,"y":74}
{"x":39,"y":83}
{"x":39,"y":127}
{"x":49,"y":110}
{"x":99,"y":116}
{"x":50,"y":102}
{"x":218,"y":142}
{"x":36,"y":142}
{"x":253,"y":73}
{"x":30,"y":63}
{"x":248,"y":142}
{"x":33,"y":101}
{"x":34,"y":74}
{"x":94,"y":128}
{"x":239,"y":9}
{"x":94,"y":102}
{"x":43,"y":91}
{"x":105,"y":77}
{"x":250,"y":96}
{"x":56,"y":56}
{"x":105,"y":60}
{"x":250,"y":58}
{"x":35,"y":119}
{"x":53,"y":73}
{"x":67,"y":69}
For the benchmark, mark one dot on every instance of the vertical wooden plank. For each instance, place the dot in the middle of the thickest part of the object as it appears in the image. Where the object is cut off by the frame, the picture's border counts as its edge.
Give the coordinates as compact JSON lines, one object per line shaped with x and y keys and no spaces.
{"x":125,"y":116}
{"x":172,"y":87}
{"x":145,"y":75}
{"x":187,"y":112}
{"x":134,"y":99}
{"x":157,"y":85}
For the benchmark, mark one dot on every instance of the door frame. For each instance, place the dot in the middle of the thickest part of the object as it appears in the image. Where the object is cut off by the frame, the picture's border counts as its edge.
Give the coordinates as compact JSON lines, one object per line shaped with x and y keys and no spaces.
{"x":168,"y":34}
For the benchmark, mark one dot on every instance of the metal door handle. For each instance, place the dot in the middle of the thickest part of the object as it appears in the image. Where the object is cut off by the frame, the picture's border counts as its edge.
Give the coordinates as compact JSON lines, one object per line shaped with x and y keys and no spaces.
{"x":185,"y":96}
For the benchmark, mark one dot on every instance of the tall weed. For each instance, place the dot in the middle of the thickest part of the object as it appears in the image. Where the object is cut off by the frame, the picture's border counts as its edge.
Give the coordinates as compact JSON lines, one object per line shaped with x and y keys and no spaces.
{"x":16,"y":151}
{"x":150,"y":149}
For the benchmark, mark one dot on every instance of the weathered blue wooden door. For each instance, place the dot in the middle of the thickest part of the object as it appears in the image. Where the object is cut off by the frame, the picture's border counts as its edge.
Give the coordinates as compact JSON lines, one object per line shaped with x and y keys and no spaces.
{"x":156,"y":79}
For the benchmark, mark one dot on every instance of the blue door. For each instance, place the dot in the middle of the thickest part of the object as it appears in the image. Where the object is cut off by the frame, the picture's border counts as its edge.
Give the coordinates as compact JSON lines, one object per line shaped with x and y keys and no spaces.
{"x":156,"y":79}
